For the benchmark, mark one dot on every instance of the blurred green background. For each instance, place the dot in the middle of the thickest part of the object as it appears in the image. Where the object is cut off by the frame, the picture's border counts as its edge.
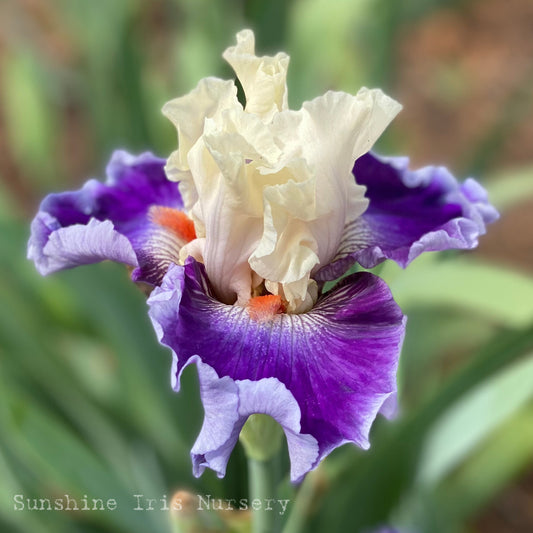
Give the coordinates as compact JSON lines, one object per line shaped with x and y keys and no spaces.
{"x":85,"y":400}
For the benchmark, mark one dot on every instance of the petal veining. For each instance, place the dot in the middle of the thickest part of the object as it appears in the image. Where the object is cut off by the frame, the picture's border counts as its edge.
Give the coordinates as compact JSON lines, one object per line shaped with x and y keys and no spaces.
{"x":342,"y":352}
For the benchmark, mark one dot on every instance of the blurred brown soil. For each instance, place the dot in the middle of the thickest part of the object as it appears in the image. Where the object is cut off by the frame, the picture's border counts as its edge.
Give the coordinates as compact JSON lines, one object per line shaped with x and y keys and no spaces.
{"x":38,"y":25}
{"x":512,"y":511}
{"x":463,"y":73}
{"x":466,"y":82}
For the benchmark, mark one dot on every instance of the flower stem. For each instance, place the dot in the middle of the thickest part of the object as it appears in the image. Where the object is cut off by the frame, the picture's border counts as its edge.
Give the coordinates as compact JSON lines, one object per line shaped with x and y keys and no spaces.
{"x":263,"y":477}
{"x":261,"y":438}
{"x":304,"y":503}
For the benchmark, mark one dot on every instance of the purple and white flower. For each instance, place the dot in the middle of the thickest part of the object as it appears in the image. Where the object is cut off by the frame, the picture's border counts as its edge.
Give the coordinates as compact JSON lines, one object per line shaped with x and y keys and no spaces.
{"x":239,"y":230}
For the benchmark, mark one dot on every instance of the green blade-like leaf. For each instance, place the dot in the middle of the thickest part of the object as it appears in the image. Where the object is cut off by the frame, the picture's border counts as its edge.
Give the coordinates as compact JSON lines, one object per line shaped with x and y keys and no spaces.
{"x":511,"y":187}
{"x":497,"y":293}
{"x":461,"y":429}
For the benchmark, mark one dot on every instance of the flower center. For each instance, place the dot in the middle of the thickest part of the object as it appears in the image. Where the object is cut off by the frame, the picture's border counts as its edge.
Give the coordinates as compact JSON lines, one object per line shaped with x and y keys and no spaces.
{"x":264,"y":308}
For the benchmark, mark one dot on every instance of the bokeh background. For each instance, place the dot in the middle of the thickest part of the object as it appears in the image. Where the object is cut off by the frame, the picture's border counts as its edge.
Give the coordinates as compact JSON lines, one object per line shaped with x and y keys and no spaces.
{"x":85,"y":400}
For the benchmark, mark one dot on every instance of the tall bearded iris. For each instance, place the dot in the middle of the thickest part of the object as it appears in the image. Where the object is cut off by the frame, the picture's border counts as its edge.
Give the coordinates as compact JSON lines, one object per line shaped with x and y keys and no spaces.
{"x":239,"y":230}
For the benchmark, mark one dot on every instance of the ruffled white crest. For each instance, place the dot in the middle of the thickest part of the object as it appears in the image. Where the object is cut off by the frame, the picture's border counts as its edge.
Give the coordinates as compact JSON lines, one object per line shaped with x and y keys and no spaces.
{"x":304,"y":222}
{"x":262,"y":78}
{"x":270,"y":190}
{"x":188,"y":113}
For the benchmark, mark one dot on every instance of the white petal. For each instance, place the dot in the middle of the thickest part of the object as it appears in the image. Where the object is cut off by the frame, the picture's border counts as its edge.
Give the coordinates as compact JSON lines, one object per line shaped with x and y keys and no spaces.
{"x":230,"y":234}
{"x":239,"y":144}
{"x":287,"y":251}
{"x":304,"y":221}
{"x":300,"y":296}
{"x":188,"y":113}
{"x":275,"y":190}
{"x":262,"y":78}
{"x":270,"y":190}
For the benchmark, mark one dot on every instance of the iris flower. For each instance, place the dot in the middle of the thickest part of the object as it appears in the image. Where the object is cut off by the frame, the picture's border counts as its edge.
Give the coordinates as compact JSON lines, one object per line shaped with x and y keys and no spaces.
{"x":239,"y":231}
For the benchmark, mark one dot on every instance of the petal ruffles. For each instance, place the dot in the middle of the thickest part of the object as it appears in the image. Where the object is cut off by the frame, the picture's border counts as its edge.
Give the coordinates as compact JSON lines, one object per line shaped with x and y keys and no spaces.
{"x":269,"y":189}
{"x":111,"y":220}
{"x":272,"y":212}
{"x":409,"y":212}
{"x":323,"y":375}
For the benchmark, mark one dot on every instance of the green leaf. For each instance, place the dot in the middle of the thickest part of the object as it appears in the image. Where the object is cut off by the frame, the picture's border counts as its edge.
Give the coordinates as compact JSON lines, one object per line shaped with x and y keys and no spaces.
{"x":436,"y":338}
{"x":319,"y":64}
{"x":21,"y":521}
{"x":472,"y":419}
{"x":493,"y":466}
{"x":30,"y":125}
{"x":497,"y":293}
{"x":67,"y":464}
{"x":510,"y":187}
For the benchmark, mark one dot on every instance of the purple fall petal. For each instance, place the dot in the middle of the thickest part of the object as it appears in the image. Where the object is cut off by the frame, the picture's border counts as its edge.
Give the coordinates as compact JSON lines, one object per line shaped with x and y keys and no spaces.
{"x":410,"y":212}
{"x":104,"y":220}
{"x":80,"y":245}
{"x":337,"y":363}
{"x":390,"y":407}
{"x":228,"y":403}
